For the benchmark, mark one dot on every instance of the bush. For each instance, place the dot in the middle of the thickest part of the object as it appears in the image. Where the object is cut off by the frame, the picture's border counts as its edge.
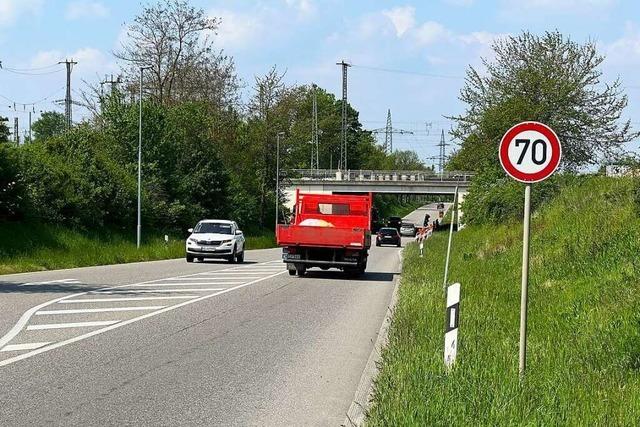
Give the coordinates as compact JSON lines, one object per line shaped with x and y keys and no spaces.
{"x":12,"y":191}
{"x":494,"y":198}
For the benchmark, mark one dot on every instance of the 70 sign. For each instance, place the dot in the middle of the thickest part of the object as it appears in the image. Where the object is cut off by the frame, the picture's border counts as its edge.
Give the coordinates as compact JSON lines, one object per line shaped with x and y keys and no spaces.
{"x":530,"y":152}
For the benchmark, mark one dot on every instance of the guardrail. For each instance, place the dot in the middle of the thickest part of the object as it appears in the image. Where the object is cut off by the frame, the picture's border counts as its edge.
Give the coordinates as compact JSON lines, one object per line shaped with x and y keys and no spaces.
{"x":377,"y":175}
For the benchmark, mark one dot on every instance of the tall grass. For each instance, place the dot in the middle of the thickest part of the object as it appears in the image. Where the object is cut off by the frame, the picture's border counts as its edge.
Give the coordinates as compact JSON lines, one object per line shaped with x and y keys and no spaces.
{"x":33,"y":247}
{"x":584,"y":321}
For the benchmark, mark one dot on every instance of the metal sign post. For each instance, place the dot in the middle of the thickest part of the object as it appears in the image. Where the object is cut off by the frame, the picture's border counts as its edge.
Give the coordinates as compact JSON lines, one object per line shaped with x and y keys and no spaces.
{"x":529,"y":152}
{"x":453,"y":218}
{"x":522,"y":359}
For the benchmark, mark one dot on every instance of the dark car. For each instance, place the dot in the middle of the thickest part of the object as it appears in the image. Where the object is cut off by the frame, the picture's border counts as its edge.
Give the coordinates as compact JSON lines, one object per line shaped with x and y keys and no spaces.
{"x":394,"y":222}
{"x":388,"y":236}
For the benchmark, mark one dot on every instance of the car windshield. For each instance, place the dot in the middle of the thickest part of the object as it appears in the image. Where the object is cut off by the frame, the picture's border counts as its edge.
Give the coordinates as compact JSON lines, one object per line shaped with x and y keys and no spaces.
{"x":388,"y":231}
{"x":213,"y":227}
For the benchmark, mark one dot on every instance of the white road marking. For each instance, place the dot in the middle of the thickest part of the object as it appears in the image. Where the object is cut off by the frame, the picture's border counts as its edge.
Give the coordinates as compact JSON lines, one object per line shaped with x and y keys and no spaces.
{"x":150,"y":285}
{"x":51,"y":282}
{"x":94,"y":300}
{"x":99,"y":310}
{"x":70,"y":325}
{"x":127,"y":322}
{"x":236,"y":272}
{"x":222,"y":277}
{"x":142,"y":291}
{"x":22,"y":347}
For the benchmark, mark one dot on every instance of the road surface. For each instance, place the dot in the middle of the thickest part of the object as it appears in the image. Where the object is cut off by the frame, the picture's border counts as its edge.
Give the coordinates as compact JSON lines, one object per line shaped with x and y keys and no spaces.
{"x":171,"y":343}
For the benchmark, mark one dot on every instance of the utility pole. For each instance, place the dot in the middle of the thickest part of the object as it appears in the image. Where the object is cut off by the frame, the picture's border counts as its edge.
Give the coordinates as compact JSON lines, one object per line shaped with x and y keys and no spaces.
{"x":139,"y":228}
{"x":30,"y":136}
{"x":67,"y":98}
{"x":442,"y":145}
{"x":16,"y":137}
{"x":389,"y":130}
{"x":315,"y":150}
{"x":278,"y":176}
{"x":342,"y":163}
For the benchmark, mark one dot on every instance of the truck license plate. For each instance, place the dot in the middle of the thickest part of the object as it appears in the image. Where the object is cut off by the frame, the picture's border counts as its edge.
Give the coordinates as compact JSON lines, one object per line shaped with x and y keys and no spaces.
{"x":291,"y":256}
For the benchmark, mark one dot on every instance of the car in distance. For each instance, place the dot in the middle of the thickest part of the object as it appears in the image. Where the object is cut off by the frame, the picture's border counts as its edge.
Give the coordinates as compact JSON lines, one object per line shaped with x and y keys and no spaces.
{"x":394,"y":222}
{"x":408,"y":229}
{"x":388,"y":236}
{"x":215,"y":238}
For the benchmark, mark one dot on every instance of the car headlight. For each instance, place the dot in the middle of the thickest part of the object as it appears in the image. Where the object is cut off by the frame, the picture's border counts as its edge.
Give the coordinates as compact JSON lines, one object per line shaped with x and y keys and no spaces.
{"x":226,"y":242}
{"x":192,"y":240}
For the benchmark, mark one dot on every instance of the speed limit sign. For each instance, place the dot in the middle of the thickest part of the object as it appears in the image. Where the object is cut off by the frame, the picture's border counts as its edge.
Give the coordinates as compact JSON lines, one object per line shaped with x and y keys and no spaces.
{"x":530,"y":152}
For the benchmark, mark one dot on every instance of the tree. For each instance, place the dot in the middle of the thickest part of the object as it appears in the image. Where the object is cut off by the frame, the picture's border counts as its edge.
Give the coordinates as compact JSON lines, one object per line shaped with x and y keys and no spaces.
{"x":50,"y":124}
{"x":550,"y":79}
{"x":172,"y":39}
{"x":4,"y":129}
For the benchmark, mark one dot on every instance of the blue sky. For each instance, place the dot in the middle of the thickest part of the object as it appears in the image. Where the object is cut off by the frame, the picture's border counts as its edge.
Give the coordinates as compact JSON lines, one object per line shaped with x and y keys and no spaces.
{"x":307,"y":37}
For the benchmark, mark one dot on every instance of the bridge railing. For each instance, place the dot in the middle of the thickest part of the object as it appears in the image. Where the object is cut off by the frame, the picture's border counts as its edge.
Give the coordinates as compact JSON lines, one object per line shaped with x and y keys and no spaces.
{"x":377,"y":175}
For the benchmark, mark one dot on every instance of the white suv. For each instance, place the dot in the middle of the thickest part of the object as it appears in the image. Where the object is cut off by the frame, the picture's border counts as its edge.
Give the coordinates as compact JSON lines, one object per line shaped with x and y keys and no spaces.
{"x":215,"y":238}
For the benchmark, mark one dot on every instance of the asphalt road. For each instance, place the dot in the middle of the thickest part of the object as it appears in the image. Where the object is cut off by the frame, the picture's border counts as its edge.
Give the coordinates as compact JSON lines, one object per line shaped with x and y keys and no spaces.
{"x":171,"y":343}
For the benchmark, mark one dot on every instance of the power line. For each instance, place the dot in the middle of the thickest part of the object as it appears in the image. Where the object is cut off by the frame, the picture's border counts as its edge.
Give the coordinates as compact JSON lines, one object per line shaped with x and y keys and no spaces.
{"x":416,"y":73}
{"x":14,"y":102}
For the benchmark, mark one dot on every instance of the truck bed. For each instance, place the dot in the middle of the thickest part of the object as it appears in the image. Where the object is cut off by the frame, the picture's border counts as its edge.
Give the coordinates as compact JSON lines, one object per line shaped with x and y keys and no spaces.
{"x":325,"y":237}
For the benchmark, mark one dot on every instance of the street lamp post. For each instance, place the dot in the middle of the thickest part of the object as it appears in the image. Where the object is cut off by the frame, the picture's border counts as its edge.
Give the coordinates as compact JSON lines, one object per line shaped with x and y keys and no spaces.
{"x":278,"y":175}
{"x":139,"y":228}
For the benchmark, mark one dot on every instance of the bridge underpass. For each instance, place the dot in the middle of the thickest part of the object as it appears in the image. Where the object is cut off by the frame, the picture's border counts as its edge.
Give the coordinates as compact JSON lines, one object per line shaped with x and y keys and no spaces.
{"x":325,"y":181}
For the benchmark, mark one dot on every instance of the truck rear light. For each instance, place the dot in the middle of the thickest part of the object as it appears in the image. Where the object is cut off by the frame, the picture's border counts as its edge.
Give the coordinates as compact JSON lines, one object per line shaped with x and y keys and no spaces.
{"x":291,"y":250}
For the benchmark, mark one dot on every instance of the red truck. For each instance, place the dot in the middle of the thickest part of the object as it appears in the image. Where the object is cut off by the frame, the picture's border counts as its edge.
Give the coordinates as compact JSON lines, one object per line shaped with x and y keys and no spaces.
{"x":327,"y":231}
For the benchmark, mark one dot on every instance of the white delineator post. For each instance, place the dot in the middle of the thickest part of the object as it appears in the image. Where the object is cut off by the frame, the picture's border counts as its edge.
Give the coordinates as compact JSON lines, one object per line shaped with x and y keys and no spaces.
{"x":451,"y":326}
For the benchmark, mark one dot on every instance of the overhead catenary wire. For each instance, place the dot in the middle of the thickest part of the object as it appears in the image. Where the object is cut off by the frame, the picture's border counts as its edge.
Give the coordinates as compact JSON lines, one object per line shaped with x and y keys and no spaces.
{"x":416,"y":73}
{"x":14,"y":102}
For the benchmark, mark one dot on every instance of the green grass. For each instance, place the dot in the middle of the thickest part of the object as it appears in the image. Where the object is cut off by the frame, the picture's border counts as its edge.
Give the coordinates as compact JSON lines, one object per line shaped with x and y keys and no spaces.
{"x":584,"y":321}
{"x":34,"y":247}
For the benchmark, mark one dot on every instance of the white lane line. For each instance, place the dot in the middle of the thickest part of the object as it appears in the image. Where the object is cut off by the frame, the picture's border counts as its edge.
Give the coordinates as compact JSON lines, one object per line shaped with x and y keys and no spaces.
{"x":93,"y":300}
{"x":225,"y":277}
{"x":148,"y":285}
{"x":142,"y":291}
{"x":26,"y":346}
{"x":51,"y":282}
{"x":99,"y":310}
{"x":70,"y":325}
{"x":127,"y":322}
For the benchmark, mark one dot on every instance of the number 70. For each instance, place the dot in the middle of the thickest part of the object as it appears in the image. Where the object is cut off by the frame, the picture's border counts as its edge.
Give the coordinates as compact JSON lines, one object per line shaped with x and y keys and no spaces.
{"x":538,"y":150}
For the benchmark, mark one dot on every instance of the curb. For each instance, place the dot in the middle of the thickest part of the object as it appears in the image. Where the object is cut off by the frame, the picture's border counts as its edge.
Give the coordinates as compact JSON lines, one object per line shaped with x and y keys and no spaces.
{"x":357,"y":411}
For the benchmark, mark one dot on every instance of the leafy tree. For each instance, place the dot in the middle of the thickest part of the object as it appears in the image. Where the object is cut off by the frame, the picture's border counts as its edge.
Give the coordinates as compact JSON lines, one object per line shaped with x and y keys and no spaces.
{"x":550,"y":79}
{"x":50,"y":124}
{"x":4,"y":129}
{"x":171,"y":37}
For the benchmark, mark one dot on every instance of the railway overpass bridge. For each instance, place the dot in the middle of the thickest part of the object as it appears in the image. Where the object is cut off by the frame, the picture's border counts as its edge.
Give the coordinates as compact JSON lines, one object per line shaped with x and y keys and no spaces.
{"x":364,"y":181}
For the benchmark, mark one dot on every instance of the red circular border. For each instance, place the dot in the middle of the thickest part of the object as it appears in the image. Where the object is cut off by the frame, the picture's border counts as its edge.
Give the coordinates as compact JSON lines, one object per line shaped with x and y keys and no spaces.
{"x":556,"y":152}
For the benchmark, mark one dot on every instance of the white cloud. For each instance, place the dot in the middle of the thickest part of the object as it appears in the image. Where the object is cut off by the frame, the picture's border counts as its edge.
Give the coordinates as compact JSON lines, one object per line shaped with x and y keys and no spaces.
{"x":11,"y":10}
{"x":90,"y":61}
{"x":431,"y":32}
{"x":459,"y":2}
{"x":83,"y":9}
{"x":402,"y":18}
{"x":625,"y":50}
{"x":305,"y":8}
{"x":237,"y":30}
{"x":526,"y":9}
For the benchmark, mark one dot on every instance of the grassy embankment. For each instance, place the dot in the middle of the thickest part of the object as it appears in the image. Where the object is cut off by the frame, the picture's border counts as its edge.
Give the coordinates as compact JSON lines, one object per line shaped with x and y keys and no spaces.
{"x":33,"y":247}
{"x":584,"y":321}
